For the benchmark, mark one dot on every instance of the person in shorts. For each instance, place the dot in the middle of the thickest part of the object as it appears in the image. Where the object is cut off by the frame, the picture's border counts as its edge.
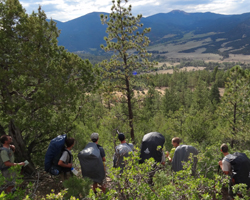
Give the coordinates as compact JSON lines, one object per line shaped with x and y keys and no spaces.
{"x":7,"y":160}
{"x":121,"y":150}
{"x":226,"y":167}
{"x":95,"y":138}
{"x":66,"y":160}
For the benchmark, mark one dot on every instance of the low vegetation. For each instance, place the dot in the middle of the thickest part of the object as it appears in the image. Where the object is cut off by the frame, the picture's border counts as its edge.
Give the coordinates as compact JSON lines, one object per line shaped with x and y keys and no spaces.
{"x":46,"y":91}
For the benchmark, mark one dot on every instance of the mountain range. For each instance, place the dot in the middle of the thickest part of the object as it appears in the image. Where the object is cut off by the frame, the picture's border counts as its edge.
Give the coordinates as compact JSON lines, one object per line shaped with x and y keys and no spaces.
{"x":213,"y":33}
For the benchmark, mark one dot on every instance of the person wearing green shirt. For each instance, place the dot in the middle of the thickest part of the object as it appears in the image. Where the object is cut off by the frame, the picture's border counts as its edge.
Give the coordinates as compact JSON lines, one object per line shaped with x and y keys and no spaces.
{"x":7,"y":161}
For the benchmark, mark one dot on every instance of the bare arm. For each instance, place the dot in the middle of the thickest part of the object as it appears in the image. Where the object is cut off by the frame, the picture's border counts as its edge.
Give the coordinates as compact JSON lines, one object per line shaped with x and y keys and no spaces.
{"x":10,"y":164}
{"x":225,"y":172}
{"x":60,"y":163}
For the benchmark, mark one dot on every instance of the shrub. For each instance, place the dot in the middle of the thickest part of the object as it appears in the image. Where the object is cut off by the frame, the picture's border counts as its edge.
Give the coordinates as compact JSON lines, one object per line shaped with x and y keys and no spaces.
{"x":77,"y":187}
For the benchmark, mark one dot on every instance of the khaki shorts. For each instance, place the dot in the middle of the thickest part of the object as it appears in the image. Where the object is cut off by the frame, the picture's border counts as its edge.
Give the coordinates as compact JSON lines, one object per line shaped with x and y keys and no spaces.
{"x":10,"y":178}
{"x":66,"y":175}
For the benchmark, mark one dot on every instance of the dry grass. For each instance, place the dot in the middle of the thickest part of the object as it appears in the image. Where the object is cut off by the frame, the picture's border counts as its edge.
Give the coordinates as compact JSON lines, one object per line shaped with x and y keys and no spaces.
{"x":161,"y":90}
{"x":168,"y":64}
{"x":183,"y":44}
{"x":238,"y":58}
{"x":171,"y":71}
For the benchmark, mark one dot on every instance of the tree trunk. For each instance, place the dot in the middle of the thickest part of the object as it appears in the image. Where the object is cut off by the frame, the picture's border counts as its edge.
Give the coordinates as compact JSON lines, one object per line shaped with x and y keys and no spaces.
{"x":21,"y":152}
{"x":2,"y":132}
{"x":234,"y":124}
{"x":130,"y":111}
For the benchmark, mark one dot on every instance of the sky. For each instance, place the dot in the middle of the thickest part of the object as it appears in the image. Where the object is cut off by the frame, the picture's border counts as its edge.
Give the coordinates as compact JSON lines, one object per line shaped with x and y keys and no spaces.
{"x":65,"y":10}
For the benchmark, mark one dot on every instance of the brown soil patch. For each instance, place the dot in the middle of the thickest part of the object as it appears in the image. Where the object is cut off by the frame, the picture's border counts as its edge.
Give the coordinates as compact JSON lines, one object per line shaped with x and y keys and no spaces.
{"x":43,"y":184}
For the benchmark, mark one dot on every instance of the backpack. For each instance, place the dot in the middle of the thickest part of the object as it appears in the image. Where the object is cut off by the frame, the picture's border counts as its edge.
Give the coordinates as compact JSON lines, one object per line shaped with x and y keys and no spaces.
{"x":240,"y":165}
{"x":2,"y":166}
{"x":122,"y":150}
{"x":91,"y":163}
{"x":149,"y":145}
{"x":181,"y":155}
{"x":53,"y":154}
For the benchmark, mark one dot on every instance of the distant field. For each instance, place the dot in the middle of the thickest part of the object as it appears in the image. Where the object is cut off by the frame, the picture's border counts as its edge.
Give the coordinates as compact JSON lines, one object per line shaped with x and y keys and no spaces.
{"x":159,"y":89}
{"x":174,"y":49}
{"x":196,"y":41}
{"x":162,"y":90}
{"x":232,"y":58}
{"x":168,"y":64}
{"x":171,"y":71}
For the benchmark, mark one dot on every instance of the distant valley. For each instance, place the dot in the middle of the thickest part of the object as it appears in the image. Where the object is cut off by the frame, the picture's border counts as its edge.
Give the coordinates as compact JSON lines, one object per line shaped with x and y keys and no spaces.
{"x":177,"y":34}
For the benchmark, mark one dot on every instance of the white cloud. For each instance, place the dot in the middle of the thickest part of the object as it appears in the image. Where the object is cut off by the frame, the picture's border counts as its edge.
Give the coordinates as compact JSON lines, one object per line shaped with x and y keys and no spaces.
{"x":68,"y":10}
{"x":64,"y":10}
{"x":24,"y":4}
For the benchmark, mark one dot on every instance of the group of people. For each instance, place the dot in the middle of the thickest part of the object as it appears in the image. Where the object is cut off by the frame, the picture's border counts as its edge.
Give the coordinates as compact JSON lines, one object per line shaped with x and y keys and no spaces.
{"x":178,"y":156}
{"x":150,"y":143}
{"x":96,"y":170}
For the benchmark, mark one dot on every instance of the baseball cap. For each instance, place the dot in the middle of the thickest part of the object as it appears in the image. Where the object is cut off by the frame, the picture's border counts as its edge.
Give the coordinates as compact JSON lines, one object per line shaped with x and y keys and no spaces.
{"x":94,"y":136}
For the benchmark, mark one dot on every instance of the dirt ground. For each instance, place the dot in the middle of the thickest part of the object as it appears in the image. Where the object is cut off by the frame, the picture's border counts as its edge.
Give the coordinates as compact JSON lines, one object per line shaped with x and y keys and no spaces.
{"x":47,"y":183}
{"x":43,"y":184}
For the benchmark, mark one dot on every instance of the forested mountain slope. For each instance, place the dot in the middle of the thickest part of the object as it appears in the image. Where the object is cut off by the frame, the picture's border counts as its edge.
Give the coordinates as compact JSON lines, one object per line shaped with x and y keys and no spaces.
{"x":225,"y":33}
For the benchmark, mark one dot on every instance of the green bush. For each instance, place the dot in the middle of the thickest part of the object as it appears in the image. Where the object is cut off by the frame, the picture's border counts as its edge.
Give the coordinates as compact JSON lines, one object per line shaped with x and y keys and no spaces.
{"x":133,"y":183}
{"x":19,"y":193}
{"x":77,"y":187}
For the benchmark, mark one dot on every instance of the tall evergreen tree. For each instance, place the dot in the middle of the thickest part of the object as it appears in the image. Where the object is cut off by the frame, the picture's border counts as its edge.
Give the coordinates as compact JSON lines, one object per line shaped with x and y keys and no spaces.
{"x":200,"y":96}
{"x":128,"y":42}
{"x":41,"y":83}
{"x":170,"y":101}
{"x":235,"y":107}
{"x":214,"y":94}
{"x":213,"y":76}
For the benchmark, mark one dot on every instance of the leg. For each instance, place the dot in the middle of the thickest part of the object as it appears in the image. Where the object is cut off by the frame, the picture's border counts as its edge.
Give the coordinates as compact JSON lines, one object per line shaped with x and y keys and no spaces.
{"x":9,"y":180}
{"x":9,"y":189}
{"x":62,"y":176}
{"x":230,"y":189}
{"x":103,"y":188}
{"x":68,"y":175}
{"x":94,"y":187}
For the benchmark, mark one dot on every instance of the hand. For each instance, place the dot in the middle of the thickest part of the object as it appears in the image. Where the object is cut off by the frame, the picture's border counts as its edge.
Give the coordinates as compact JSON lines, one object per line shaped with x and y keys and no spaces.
{"x":70,"y":165}
{"x":13,"y":148}
{"x":21,"y":163}
{"x":220,"y":162}
{"x":167,"y":153}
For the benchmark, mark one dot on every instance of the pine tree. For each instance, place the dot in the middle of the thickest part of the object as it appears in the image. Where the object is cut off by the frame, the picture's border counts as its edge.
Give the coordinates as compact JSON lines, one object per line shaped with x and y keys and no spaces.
{"x":235,"y":107}
{"x":127,"y":40}
{"x":213,"y":76}
{"x":215,"y":94}
{"x":200,"y":96}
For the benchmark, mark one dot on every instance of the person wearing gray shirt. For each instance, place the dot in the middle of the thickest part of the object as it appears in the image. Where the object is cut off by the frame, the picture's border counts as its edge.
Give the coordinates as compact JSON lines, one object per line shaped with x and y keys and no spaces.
{"x":121,"y":150}
{"x":182,"y":154}
{"x":66,"y":160}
